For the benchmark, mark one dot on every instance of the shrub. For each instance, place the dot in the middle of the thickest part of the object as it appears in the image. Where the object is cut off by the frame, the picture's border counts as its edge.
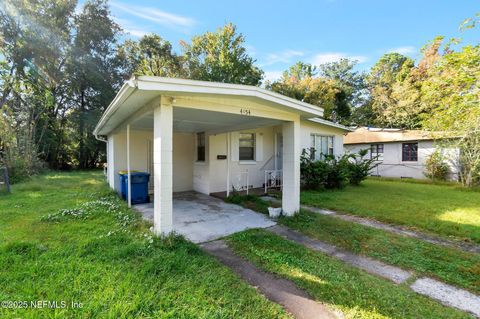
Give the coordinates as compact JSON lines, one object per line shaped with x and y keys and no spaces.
{"x":332,"y":173}
{"x":436,"y":168}
{"x":326,"y":174}
{"x":21,"y":169}
{"x":357,"y":167}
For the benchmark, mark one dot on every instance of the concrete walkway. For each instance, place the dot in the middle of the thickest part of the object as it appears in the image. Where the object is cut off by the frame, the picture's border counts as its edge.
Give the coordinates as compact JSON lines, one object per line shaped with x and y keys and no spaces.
{"x":281,"y":291}
{"x":471,"y":248}
{"x":369,"y":265}
{"x":201,"y":218}
{"x":445,"y":294}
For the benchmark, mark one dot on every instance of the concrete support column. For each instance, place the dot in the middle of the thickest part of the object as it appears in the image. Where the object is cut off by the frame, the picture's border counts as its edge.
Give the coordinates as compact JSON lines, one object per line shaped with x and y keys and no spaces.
{"x":129,"y":172}
{"x":291,"y":168}
{"x":163,"y":166}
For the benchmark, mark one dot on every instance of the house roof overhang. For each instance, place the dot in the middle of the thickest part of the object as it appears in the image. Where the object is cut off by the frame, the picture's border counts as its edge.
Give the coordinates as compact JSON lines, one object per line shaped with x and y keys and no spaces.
{"x":138,"y":91}
{"x":331,"y":124}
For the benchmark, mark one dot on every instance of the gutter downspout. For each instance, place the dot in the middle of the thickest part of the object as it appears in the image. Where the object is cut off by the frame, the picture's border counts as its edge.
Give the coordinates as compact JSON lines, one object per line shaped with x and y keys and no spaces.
{"x":105,"y":168}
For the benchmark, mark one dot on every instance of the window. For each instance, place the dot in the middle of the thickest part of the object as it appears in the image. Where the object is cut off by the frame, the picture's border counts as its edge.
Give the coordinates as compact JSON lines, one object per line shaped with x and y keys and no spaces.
{"x":247,"y":147}
{"x":320,"y":146}
{"x":409,"y":152}
{"x":376,"y":152}
{"x":201,"y":147}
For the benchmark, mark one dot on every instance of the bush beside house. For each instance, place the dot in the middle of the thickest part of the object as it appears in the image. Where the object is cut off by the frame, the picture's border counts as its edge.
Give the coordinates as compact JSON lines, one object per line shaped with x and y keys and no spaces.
{"x":436,"y":167}
{"x":334,"y":173}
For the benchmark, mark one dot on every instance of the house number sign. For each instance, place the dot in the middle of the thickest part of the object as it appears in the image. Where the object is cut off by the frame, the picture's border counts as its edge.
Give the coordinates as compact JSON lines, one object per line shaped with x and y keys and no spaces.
{"x":245,"y":111}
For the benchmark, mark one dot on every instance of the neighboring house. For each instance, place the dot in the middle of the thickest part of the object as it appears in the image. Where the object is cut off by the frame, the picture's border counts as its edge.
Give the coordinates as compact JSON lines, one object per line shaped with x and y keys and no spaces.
{"x":399,"y":153}
{"x":211,"y":137}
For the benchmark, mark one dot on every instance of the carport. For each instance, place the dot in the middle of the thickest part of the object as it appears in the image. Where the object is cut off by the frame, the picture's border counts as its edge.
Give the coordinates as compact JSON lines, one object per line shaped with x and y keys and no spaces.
{"x":163,"y":109}
{"x":202,"y":218}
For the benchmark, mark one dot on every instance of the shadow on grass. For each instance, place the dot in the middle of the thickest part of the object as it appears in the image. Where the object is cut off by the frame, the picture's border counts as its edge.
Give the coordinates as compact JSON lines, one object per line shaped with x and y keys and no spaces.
{"x":356,"y":294}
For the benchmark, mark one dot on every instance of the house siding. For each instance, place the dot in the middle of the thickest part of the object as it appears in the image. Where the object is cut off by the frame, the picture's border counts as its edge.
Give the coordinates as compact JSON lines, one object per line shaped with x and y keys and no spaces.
{"x":393,"y":165}
{"x":209,"y":176}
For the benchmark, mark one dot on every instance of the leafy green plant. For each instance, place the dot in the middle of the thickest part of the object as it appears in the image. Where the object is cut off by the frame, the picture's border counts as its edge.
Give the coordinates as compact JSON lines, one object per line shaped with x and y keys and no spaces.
{"x":333,"y":173}
{"x":325,"y":174}
{"x":357,"y":166}
{"x":435,"y":167}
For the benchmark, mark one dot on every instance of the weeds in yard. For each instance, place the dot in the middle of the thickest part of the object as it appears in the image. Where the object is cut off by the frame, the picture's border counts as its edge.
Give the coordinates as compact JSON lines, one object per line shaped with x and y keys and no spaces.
{"x":251,"y":202}
{"x":115,"y":271}
{"x":109,"y":204}
{"x":65,"y":214}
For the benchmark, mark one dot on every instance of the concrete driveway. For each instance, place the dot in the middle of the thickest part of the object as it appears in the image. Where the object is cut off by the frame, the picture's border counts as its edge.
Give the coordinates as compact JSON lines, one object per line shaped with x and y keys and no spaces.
{"x":201,"y":218}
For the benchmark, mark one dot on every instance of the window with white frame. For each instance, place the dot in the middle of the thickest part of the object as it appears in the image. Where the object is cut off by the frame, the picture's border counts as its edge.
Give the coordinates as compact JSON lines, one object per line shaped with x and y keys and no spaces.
{"x":246,"y":147}
{"x":376,"y":152}
{"x":321,"y":146}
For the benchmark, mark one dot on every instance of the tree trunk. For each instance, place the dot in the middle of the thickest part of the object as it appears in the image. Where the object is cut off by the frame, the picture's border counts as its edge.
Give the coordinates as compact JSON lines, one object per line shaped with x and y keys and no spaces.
{"x":81,"y":129}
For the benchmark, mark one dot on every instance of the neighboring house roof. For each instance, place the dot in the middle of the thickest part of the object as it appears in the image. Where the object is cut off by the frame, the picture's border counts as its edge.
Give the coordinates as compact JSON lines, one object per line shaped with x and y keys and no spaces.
{"x":138,"y":90}
{"x":367,"y":135}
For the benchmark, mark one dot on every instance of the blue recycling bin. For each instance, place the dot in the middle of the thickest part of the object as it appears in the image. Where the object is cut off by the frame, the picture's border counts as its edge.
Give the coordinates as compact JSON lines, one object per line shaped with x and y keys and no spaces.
{"x":139,"y":187}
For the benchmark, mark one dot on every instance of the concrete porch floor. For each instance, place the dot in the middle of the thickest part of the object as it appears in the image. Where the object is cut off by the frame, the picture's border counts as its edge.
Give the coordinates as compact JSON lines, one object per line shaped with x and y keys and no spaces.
{"x":201,"y":218}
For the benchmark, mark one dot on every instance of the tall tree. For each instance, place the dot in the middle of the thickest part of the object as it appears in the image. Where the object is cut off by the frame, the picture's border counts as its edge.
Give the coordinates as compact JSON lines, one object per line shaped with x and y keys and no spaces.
{"x":222,"y":57}
{"x":301,"y":82}
{"x":152,"y":55}
{"x":452,"y":91}
{"x":390,"y":69}
{"x":34,"y":38}
{"x":351,"y":82}
{"x":395,"y":86}
{"x":94,"y":74}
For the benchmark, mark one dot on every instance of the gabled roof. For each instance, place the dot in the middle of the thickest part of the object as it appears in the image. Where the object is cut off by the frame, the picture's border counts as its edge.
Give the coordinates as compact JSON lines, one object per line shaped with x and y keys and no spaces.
{"x":367,"y":135}
{"x":138,"y":90}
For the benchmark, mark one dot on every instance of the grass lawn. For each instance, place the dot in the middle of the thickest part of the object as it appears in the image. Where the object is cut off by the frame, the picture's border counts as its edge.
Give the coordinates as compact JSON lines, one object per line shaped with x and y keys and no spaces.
{"x":98,"y":253}
{"x":355,"y":293}
{"x":445,"y":210}
{"x":449,"y":265}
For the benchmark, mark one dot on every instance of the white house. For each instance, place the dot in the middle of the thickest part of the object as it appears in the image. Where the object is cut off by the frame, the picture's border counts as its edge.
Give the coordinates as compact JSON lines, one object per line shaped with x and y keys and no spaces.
{"x":400,"y":153}
{"x":211,"y":137}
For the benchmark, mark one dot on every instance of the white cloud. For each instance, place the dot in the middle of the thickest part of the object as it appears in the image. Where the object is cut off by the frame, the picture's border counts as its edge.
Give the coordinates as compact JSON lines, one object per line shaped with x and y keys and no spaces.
{"x":403,"y":50}
{"x":328,"y":57}
{"x":251,"y":50}
{"x":157,"y":16}
{"x":136,"y":33}
{"x":272,"y":75}
{"x":285,"y":56}
{"x":131,"y":28}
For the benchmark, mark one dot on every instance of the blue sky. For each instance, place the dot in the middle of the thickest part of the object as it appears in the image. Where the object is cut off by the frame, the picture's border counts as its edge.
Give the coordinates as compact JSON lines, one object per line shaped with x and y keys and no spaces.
{"x":279,"y":33}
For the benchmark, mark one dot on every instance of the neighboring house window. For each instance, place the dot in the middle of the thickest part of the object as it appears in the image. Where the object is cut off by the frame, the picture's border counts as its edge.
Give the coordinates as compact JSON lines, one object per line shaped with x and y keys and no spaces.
{"x":321,"y":146}
{"x":201,"y":147}
{"x":376,"y":152}
{"x":410,"y":152}
{"x":247,"y":147}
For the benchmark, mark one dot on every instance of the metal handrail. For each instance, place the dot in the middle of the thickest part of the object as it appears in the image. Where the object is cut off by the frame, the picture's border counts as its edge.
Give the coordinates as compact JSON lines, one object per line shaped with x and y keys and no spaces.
{"x":273,"y":178}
